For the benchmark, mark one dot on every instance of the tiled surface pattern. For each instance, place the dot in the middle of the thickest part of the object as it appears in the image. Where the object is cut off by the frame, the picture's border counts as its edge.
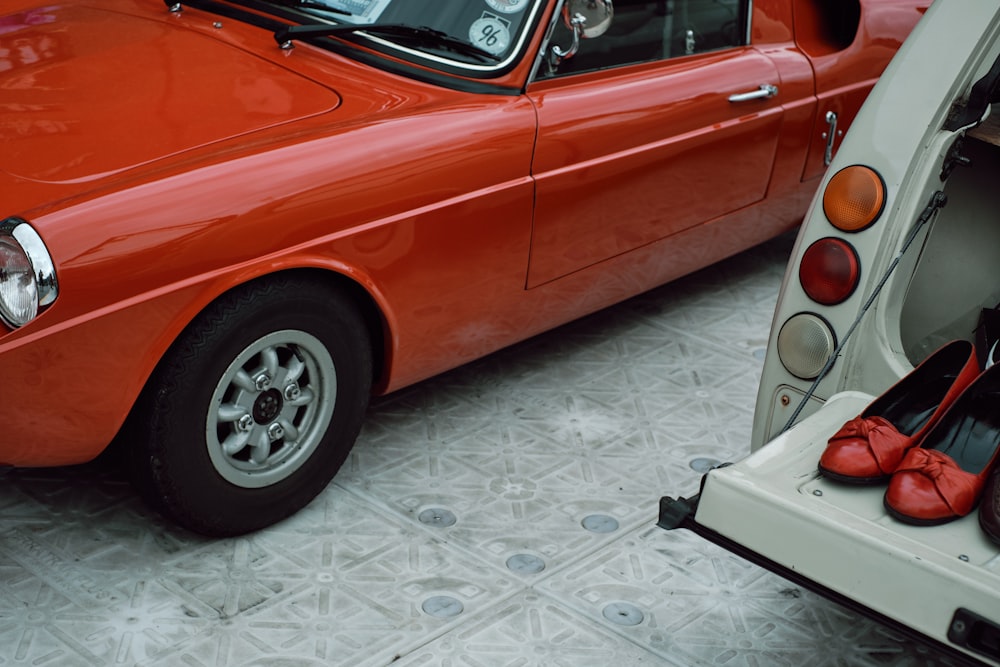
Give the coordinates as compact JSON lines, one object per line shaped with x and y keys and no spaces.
{"x":499,"y":515}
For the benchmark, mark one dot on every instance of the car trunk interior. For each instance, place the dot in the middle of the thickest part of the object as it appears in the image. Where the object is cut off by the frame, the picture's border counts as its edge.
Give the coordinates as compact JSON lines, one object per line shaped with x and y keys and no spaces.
{"x":954,"y":274}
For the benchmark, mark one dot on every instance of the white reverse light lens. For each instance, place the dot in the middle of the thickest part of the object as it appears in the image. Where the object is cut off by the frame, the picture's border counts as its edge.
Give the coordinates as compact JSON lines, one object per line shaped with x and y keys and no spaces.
{"x":805,"y":343}
{"x":27,"y":279}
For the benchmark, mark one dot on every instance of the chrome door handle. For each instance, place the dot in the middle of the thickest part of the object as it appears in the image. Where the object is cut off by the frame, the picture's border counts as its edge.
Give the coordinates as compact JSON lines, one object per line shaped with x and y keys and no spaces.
{"x":831,"y":136}
{"x":765,"y":91}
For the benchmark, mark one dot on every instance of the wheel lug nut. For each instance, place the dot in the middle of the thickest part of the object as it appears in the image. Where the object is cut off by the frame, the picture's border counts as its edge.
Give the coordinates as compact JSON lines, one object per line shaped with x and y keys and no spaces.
{"x":244,"y":423}
{"x":292,"y":392}
{"x":262,"y":381}
{"x":275,"y":431}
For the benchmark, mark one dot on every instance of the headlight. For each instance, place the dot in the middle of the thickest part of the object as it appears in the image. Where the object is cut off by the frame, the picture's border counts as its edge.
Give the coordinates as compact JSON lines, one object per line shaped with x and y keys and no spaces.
{"x":27,"y":275}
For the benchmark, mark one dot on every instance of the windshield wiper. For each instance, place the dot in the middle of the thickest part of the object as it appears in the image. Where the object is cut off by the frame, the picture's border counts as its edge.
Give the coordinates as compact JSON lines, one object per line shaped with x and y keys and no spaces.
{"x":415,"y":34}
{"x":176,"y":6}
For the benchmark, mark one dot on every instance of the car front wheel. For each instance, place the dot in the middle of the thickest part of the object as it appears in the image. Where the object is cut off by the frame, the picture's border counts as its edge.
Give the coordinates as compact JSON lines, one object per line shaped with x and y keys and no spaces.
{"x":254,"y":408}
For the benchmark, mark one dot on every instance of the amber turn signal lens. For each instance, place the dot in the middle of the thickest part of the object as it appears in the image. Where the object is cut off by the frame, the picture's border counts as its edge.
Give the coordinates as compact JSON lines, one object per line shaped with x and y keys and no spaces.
{"x":829,"y":271}
{"x":854,"y":198}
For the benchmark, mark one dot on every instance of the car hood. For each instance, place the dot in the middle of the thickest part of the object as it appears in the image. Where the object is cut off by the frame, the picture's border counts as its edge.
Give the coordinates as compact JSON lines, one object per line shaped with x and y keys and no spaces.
{"x":118,"y":90}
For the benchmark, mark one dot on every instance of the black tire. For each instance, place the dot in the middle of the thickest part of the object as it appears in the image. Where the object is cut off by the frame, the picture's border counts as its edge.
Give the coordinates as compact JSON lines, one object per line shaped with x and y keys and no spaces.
{"x":254,"y":408}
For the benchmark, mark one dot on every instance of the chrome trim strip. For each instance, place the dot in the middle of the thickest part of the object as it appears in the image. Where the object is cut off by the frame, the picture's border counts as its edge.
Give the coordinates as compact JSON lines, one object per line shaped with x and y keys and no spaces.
{"x":38,"y":255}
{"x":544,"y":46}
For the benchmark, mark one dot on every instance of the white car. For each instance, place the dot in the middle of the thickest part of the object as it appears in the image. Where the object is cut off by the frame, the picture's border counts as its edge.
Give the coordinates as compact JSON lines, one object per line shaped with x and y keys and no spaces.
{"x":898,"y":255}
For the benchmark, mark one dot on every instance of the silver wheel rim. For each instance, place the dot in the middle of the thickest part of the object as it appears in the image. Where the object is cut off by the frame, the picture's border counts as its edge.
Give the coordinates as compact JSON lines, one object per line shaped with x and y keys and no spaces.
{"x":271,"y":408}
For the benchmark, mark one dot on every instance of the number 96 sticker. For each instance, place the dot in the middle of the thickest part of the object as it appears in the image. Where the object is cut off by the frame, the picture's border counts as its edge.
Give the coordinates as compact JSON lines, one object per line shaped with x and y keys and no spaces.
{"x":490,"y":33}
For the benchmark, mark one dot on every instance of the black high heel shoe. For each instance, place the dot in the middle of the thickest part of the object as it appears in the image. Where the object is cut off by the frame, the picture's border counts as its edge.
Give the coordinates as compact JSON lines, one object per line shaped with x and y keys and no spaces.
{"x":989,"y":508}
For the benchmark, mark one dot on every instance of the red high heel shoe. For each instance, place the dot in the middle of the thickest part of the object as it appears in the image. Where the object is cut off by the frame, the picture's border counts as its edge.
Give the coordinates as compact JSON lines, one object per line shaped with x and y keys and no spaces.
{"x":869,"y":448}
{"x":943,"y":478}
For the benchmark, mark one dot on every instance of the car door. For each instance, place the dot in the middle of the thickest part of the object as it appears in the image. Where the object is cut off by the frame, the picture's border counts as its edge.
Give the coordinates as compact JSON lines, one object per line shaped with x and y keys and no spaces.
{"x":848,"y":45}
{"x":667,"y":121}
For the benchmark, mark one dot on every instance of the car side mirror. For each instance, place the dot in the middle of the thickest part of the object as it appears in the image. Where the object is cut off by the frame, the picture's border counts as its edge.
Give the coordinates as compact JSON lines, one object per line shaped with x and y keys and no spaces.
{"x":586,"y":19}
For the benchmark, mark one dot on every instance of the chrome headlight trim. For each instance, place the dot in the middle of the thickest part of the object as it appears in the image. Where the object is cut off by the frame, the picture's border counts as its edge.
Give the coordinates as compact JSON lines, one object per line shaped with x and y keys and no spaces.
{"x":43,"y":269}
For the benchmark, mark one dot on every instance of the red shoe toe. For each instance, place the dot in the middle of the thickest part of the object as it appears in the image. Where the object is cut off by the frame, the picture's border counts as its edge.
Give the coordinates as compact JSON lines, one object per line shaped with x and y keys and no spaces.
{"x":929,"y":488}
{"x":865,"y":450}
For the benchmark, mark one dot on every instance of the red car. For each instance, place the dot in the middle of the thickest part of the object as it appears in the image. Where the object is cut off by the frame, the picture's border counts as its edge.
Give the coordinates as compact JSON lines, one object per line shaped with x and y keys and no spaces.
{"x":230,"y":222}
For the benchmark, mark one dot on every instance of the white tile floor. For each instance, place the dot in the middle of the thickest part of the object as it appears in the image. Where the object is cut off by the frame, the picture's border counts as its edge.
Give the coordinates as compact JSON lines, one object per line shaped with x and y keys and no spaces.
{"x":500,"y":515}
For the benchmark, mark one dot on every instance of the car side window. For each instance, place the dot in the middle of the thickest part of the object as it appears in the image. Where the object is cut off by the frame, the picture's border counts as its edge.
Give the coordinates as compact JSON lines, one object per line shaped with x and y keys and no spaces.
{"x":648,"y":30}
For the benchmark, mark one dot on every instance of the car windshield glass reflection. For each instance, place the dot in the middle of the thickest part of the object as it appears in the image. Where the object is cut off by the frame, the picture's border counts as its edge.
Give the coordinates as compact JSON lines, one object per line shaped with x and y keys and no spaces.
{"x":456,"y":32}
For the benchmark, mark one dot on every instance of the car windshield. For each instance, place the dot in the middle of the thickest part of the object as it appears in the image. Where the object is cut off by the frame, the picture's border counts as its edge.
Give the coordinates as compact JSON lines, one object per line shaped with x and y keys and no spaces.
{"x":483,"y":35}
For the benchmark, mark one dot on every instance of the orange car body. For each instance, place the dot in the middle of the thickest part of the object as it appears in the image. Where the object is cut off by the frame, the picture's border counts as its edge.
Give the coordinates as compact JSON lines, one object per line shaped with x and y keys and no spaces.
{"x":166,"y":157}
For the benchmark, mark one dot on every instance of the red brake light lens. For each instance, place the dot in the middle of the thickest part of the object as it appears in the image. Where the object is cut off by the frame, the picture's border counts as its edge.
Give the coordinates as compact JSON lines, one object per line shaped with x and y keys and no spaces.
{"x":854,"y":198}
{"x":829,"y":271}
